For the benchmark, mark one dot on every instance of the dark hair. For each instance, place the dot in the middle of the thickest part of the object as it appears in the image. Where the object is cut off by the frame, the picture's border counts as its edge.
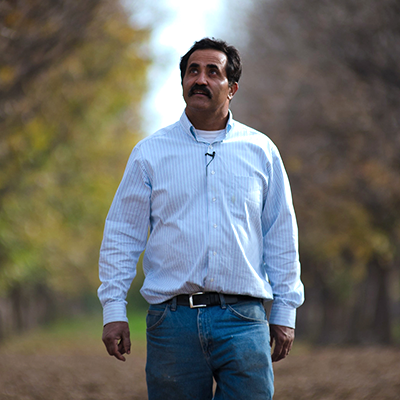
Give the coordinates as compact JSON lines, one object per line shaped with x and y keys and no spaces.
{"x":233,"y":65}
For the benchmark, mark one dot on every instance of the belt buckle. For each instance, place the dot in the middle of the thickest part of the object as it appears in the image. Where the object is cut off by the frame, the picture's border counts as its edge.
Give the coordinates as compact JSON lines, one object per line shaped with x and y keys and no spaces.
{"x":191,"y":305}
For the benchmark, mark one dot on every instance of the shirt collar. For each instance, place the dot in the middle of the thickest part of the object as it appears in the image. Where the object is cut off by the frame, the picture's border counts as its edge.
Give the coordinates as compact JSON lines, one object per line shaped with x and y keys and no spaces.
{"x":190,"y":130}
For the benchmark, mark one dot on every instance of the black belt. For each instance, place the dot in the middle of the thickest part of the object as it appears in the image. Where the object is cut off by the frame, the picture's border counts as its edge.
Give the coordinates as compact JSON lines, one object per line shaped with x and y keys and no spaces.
{"x":204,"y":299}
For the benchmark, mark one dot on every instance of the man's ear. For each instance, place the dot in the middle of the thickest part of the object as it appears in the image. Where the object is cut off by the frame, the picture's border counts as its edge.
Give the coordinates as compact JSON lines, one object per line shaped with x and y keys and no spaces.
{"x":232,"y":90}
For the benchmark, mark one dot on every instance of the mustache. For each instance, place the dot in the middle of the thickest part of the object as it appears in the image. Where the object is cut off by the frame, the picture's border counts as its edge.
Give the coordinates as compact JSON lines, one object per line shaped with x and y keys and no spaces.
{"x":201,"y":89}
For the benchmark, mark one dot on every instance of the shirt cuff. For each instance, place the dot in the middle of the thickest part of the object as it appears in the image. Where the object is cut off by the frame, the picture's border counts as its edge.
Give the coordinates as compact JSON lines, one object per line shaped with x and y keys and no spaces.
{"x":284,"y":316}
{"x":114,"y":311}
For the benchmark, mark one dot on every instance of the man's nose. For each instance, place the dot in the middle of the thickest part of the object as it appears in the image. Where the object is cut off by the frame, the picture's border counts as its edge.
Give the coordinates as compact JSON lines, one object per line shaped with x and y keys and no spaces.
{"x":201,"y":79}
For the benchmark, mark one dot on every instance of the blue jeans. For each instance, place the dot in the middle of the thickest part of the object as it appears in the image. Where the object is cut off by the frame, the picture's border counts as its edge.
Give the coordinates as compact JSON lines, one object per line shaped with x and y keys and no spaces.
{"x":188,"y":347}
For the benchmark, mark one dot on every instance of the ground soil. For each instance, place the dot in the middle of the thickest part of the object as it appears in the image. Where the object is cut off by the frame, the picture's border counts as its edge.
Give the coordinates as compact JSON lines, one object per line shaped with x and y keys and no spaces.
{"x":88,"y":373}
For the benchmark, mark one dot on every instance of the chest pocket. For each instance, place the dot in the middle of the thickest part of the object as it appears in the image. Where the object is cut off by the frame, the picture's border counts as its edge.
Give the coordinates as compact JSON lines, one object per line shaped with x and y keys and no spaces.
{"x":245,"y":197}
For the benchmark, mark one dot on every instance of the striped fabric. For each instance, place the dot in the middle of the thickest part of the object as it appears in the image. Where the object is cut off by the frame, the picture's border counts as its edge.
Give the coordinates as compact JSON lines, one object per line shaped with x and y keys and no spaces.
{"x":222,"y":222}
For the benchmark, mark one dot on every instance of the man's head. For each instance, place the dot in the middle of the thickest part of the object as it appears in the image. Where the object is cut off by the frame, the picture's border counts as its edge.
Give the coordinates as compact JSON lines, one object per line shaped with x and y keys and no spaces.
{"x":233,"y":65}
{"x":210,"y":73}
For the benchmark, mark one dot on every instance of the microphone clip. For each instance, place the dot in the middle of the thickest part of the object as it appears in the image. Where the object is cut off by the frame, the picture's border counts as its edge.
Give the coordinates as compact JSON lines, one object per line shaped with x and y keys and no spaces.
{"x":212,"y":157}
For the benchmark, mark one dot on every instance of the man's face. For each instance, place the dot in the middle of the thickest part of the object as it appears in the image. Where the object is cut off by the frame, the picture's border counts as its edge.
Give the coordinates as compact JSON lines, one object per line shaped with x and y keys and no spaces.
{"x":205,"y":84}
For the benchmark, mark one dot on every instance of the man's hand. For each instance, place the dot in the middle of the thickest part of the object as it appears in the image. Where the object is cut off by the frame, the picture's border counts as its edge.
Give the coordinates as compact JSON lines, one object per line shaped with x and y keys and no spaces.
{"x":282,"y":337}
{"x":117,"y":340}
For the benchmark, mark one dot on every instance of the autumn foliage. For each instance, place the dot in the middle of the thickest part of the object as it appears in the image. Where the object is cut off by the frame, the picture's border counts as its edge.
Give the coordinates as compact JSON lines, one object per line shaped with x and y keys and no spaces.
{"x":322,"y":79}
{"x":72,"y":75}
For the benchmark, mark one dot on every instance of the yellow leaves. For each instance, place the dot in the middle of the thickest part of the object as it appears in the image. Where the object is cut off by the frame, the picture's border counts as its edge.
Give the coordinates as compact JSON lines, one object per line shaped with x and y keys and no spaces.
{"x":40,"y":135}
{"x":380,"y":177}
{"x":7,"y":75}
{"x":66,"y":147}
{"x":123,"y":34}
{"x":12,"y":17}
{"x":294,"y":163}
{"x":16,"y":143}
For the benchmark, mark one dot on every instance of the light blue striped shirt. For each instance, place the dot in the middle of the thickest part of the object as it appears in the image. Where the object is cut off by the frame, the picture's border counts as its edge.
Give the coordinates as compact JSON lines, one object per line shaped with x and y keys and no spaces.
{"x":228,"y":227}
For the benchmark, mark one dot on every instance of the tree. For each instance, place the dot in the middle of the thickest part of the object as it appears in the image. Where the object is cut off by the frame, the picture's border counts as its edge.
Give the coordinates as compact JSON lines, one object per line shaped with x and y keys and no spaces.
{"x":323,"y":82}
{"x":73,"y":75}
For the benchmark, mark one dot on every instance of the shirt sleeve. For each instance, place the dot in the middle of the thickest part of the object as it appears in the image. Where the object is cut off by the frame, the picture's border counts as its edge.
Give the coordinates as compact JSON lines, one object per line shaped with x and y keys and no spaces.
{"x":124,"y":239}
{"x":280,"y":251}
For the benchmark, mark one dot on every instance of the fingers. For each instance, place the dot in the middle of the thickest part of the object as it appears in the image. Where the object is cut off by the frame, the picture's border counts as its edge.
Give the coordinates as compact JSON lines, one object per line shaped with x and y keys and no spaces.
{"x":282,"y":337}
{"x":116,"y":338}
{"x":279,"y":353}
{"x":124,"y":345}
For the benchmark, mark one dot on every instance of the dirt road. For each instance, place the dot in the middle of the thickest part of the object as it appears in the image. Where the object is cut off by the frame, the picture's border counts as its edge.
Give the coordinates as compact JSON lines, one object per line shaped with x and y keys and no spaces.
{"x":87,"y":373}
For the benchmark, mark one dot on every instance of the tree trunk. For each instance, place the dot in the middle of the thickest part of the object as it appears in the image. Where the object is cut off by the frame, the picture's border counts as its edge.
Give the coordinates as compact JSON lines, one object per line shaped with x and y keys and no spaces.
{"x":382,"y":318}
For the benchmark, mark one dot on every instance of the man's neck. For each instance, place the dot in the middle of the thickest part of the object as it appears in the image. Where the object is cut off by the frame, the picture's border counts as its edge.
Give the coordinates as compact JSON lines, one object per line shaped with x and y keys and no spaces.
{"x":207,"y":122}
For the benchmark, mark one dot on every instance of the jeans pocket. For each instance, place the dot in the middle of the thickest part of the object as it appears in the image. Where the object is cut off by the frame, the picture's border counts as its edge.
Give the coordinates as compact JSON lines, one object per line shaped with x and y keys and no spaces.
{"x":156,"y":315}
{"x":252,"y":311}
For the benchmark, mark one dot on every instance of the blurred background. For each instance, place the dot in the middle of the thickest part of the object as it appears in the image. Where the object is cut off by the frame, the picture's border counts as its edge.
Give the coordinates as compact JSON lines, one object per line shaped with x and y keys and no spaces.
{"x":82,"y":82}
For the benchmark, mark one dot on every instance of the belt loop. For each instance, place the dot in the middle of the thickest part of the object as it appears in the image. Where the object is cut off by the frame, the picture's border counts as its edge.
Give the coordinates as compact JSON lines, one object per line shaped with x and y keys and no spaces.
{"x":222,"y":300}
{"x":173,"y":304}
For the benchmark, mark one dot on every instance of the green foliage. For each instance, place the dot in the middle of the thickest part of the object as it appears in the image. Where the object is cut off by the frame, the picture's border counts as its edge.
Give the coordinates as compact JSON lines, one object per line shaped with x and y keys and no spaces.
{"x":64,"y":147}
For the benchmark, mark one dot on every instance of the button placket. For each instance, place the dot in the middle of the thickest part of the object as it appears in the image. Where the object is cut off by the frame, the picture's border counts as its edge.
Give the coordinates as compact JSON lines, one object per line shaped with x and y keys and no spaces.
{"x":213,"y":218}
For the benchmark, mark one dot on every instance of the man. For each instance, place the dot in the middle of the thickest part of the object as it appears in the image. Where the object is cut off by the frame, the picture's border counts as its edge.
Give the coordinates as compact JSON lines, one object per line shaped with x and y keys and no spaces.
{"x":222,"y":243}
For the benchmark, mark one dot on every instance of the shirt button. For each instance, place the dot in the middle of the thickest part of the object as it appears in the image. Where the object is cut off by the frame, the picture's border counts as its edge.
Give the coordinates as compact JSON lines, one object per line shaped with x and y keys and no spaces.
{"x":212,"y":280}
{"x":214,"y":199}
{"x":214,"y":253}
{"x":215,"y":225}
{"x":212,"y":172}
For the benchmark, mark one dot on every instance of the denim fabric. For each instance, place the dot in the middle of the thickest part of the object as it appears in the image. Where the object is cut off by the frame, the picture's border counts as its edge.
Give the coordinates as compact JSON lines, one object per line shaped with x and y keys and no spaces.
{"x":187,"y":348}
